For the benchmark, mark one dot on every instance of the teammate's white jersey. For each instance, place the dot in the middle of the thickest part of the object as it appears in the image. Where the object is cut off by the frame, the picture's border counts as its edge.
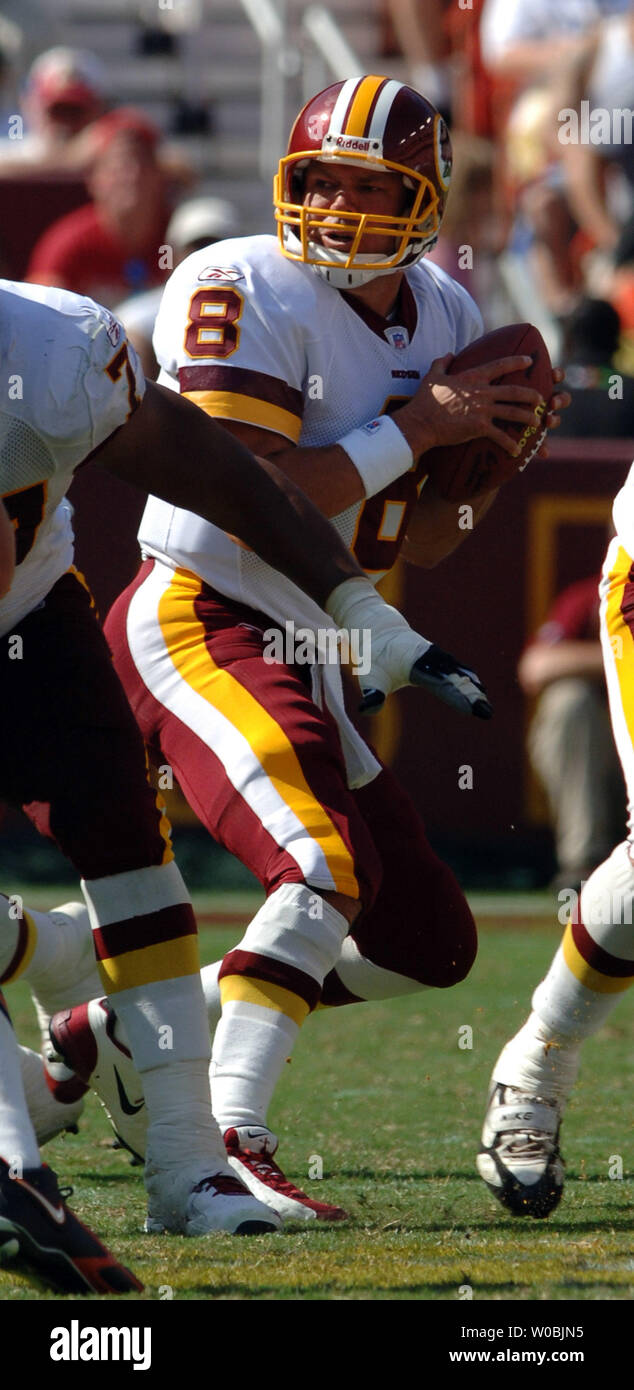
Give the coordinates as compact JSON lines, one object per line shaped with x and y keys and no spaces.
{"x":69,"y":379}
{"x":251,"y":336}
{"x":623,"y":513}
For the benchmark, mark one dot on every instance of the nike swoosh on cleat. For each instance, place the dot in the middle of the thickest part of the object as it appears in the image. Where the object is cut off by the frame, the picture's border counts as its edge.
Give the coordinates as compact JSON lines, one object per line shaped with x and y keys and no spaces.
{"x":58,"y":1214}
{"x":128,"y":1106}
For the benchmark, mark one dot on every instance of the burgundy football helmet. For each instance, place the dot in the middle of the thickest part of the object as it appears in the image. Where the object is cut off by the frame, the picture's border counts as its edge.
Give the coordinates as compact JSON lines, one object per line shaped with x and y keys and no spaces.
{"x":383,"y":125}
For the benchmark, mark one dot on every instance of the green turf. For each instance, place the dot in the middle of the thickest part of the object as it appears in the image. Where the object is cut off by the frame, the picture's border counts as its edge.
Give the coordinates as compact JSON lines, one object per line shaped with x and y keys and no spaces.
{"x":386,"y":1100}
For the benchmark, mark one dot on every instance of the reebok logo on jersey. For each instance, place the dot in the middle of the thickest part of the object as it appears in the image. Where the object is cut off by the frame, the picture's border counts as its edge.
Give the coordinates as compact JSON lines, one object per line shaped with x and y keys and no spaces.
{"x":221,"y":272}
{"x":113,"y":329}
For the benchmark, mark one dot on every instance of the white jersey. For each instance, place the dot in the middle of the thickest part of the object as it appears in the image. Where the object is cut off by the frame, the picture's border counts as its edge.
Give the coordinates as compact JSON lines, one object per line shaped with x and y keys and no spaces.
{"x":251,"y":336}
{"x":623,"y":513}
{"x":69,"y":380}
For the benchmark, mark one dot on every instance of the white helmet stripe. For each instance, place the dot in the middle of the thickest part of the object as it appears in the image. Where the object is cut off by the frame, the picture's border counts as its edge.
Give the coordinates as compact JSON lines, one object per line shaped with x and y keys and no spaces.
{"x":382,"y":110}
{"x":341,"y":105}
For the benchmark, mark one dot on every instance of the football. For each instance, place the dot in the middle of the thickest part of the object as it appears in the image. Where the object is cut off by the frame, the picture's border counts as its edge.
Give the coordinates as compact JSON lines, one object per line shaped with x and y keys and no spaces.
{"x":460,"y":472}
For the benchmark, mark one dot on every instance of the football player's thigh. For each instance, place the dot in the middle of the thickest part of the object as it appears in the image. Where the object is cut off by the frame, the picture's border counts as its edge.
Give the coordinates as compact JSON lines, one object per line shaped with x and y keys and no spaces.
{"x":420,"y":924}
{"x":70,"y":751}
{"x":617,"y":641}
{"x":257,"y":759}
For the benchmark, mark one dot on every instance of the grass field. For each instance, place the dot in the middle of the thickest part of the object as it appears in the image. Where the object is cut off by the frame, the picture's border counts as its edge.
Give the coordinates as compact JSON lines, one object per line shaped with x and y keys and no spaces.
{"x":392,"y":1106}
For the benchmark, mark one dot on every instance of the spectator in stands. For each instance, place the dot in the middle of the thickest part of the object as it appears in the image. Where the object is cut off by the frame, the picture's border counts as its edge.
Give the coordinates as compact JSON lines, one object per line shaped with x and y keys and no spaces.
{"x":421,"y":33}
{"x":570,"y":739}
{"x":475,"y":228}
{"x":527,"y":46}
{"x":602,"y":398}
{"x":112,"y":246}
{"x":64,"y":94}
{"x":198,"y":222}
{"x":530,"y":42}
{"x":617,"y":285}
{"x":599,"y":177}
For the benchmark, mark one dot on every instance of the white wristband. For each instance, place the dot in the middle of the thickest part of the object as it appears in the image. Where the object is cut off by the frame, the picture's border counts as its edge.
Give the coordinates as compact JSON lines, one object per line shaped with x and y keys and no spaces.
{"x":379,"y":452}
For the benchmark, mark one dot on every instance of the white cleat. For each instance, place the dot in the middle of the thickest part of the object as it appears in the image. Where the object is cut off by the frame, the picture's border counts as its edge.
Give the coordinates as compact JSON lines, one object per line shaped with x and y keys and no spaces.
{"x":519,"y":1158}
{"x":215,"y":1203}
{"x":84,"y":1038}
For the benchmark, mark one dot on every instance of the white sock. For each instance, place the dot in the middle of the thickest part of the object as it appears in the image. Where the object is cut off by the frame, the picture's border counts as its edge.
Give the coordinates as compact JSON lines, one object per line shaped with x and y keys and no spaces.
{"x":588,"y":976}
{"x":251,"y":1047}
{"x":53,"y":950}
{"x":539,"y":1061}
{"x":211,"y":991}
{"x":261,"y":1020}
{"x":28,"y":940}
{"x":178,"y":1099}
{"x":18,"y":1144}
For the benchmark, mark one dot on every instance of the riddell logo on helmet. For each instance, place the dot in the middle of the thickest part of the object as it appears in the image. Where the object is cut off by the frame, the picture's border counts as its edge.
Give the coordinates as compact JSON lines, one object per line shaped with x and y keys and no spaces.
{"x":351,"y":142}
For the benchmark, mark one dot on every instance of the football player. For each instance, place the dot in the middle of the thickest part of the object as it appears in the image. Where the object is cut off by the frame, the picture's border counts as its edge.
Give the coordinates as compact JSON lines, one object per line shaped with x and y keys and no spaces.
{"x":325,"y":349}
{"x":73,"y":758}
{"x":36,"y":1225}
{"x":519,"y":1158}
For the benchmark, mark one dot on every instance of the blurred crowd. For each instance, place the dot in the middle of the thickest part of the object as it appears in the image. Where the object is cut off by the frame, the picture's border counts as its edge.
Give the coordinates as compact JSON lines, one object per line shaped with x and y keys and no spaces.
{"x":539,"y":225}
{"x":549,"y":218}
{"x":124,"y":182}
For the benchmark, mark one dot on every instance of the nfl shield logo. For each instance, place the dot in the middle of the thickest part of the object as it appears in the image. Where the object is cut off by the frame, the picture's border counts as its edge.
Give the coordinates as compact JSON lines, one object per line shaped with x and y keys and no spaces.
{"x":398,"y":337}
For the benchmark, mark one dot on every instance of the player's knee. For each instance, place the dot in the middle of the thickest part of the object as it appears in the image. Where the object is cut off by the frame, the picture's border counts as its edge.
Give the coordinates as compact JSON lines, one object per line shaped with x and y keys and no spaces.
{"x":607,"y":898}
{"x":293,"y":941}
{"x":451,"y":963}
{"x":447,"y":945}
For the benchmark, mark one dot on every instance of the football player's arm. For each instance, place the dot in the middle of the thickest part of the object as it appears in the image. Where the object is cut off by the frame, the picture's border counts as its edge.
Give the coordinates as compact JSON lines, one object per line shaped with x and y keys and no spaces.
{"x":445,"y":410}
{"x":436,"y":527}
{"x":172,"y":449}
{"x":326,"y":474}
{"x":7,"y":551}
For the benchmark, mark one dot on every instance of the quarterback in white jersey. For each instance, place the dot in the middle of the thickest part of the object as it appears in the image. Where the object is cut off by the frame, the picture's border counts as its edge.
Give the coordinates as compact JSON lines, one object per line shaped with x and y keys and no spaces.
{"x":303,"y":348}
{"x":73,"y":758}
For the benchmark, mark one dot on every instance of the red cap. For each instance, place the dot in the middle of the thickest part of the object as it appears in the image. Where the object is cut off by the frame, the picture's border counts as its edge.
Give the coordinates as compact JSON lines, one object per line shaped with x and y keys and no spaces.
{"x":126,"y":120}
{"x":67,"y":76}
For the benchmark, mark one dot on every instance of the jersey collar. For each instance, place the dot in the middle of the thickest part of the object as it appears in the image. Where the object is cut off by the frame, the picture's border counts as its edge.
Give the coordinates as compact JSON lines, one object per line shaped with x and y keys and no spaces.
{"x":405,"y":312}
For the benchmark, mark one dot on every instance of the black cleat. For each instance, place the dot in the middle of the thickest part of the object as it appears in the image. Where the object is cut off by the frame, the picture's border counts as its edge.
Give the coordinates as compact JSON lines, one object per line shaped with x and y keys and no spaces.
{"x":38,"y":1230}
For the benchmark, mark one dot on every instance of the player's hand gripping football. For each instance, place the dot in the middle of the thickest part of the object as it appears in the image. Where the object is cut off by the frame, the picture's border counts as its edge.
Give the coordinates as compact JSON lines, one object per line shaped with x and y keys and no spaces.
{"x":400,"y":656}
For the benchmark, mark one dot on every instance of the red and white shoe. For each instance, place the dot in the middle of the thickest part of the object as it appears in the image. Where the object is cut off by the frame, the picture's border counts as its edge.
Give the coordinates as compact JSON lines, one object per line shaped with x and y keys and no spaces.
{"x":84,"y":1039}
{"x":250,"y":1149}
{"x":218,"y":1202}
{"x":54,"y":1097}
